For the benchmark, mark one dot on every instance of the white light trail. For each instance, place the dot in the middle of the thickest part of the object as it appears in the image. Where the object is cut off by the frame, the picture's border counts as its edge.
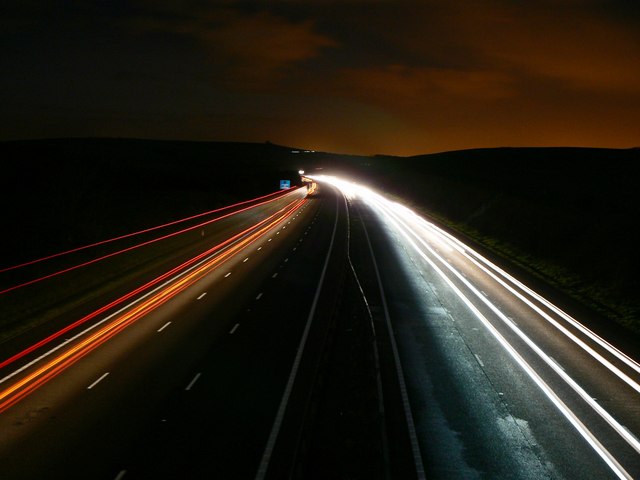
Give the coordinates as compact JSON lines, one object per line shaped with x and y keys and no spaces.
{"x":409,"y":225}
{"x":446,"y":239}
{"x":630,"y":439}
{"x":615,"y":370}
{"x":593,"y":336}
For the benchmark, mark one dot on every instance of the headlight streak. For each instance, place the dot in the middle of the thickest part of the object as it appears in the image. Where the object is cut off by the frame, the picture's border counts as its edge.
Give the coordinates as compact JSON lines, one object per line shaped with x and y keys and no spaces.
{"x":398,"y":218}
{"x":464,"y":249}
{"x":615,"y":370}
{"x":630,"y":439}
{"x":39,"y":377}
{"x":551,"y":395}
{"x":593,"y":336}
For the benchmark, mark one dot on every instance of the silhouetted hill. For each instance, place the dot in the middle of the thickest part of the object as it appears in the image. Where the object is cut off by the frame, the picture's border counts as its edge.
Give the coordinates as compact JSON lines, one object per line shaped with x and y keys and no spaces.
{"x":566,"y":214}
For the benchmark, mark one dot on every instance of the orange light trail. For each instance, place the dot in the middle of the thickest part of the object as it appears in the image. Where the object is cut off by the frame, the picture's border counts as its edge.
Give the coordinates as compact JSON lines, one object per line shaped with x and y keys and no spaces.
{"x":138,"y":290}
{"x":22,"y":388}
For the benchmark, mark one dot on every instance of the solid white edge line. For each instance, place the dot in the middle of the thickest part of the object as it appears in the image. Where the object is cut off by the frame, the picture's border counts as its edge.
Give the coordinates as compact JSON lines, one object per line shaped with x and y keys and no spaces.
{"x":97,"y":381}
{"x":277,"y":423}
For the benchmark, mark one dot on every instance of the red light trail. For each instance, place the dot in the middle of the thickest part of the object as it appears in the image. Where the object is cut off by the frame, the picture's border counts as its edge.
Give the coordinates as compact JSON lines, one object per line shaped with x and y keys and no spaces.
{"x":277,"y":193}
{"x":23,"y":387}
{"x":140,"y":289}
{"x":128,"y":249}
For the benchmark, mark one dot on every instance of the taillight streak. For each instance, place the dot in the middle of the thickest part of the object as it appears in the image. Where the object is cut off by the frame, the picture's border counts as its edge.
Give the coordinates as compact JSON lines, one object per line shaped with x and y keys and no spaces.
{"x":39,"y":377}
{"x":128,"y":249}
{"x":144,"y":287}
{"x":278,"y":193}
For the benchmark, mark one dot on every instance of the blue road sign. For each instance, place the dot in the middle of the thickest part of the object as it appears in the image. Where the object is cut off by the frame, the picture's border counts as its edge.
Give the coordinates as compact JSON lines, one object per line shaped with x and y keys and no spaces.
{"x":285,"y":184}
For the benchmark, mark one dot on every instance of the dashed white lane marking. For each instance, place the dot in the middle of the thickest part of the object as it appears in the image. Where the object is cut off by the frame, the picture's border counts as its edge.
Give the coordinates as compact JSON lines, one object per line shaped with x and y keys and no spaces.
{"x":235,"y":327}
{"x":479,"y":360}
{"x":269,"y":240}
{"x":97,"y":381}
{"x":164,"y":326}
{"x":195,"y":379}
{"x":202,"y":295}
{"x":245,"y":259}
{"x":277,"y":233}
{"x":286,"y":259}
{"x":259,"y":248}
{"x":259,"y":296}
{"x":294,"y":248}
{"x":227,"y":275}
{"x":120,"y":475}
{"x":274,"y":275}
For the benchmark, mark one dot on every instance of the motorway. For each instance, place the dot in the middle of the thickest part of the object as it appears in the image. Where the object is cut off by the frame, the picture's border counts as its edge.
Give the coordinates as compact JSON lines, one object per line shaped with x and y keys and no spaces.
{"x":209,"y":373}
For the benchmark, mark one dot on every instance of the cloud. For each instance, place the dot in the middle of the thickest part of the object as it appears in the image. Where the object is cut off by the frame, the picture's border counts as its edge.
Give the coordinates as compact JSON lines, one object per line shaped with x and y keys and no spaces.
{"x":249,"y":50}
{"x":575,"y":44}
{"x":404,"y":84}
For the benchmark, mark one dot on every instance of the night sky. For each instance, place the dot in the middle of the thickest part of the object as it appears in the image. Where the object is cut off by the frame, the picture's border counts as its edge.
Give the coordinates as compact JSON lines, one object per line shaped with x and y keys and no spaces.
{"x":364,"y":77}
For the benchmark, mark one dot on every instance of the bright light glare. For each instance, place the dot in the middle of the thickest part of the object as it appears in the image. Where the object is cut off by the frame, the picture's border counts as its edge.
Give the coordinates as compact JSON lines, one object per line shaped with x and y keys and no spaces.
{"x":301,"y":172}
{"x":347,"y":188}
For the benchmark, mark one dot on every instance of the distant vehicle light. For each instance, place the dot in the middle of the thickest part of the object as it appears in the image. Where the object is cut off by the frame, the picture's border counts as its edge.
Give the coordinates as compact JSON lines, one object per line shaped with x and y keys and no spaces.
{"x":301,"y":172}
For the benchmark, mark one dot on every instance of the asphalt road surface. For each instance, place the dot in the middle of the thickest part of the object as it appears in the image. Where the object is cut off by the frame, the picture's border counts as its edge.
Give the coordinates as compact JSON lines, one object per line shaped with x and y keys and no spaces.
{"x":209,"y":373}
